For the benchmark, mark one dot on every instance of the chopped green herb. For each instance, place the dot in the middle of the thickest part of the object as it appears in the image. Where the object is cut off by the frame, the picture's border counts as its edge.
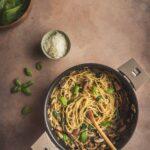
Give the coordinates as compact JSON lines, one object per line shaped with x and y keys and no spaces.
{"x":26,"y":91}
{"x":56,"y":114}
{"x":84,"y":126}
{"x":106,"y":123}
{"x":91,"y":127}
{"x":17,"y":82}
{"x":98,"y":98}
{"x":27,"y":72}
{"x":27,"y":84}
{"x":26,"y":110}
{"x":83,"y":136}
{"x":38,"y":66}
{"x":65,"y":137}
{"x":94,"y":90}
{"x":63,"y":101}
{"x":76,"y":89}
{"x":110,"y":90}
{"x":15,"y":89}
{"x":96,"y":114}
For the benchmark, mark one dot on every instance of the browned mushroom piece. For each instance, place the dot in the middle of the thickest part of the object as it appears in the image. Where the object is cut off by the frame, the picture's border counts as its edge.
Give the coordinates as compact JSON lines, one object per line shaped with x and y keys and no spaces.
{"x":85,"y":84}
{"x":117,"y":86}
{"x":75,"y":132}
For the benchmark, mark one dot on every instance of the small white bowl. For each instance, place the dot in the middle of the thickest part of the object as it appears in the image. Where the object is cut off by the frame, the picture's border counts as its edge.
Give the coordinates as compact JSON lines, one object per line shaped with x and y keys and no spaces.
{"x":46,"y":36}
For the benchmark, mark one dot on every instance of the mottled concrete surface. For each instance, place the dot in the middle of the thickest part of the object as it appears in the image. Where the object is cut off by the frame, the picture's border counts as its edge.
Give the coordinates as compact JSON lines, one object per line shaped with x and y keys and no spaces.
{"x":101,"y":31}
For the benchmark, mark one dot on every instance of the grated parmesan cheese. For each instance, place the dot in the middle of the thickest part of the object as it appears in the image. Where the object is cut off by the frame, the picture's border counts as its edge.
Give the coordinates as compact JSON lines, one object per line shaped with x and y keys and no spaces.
{"x":55,"y":45}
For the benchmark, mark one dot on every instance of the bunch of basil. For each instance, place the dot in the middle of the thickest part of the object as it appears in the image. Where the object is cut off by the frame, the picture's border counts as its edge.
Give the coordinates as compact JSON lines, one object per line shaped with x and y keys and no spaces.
{"x":11,"y":10}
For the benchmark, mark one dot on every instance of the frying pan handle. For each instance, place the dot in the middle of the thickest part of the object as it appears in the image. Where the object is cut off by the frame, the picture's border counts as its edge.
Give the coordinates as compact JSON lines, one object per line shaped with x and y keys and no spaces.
{"x":43,"y":143}
{"x":134,"y":73}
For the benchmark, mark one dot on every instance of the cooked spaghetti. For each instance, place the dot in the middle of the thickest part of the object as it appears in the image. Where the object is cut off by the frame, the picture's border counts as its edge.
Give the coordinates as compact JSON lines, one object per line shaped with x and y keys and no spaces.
{"x":70,"y":102}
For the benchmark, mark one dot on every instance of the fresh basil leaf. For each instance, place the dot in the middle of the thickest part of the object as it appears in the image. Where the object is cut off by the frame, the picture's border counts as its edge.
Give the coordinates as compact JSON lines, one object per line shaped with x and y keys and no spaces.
{"x":106,"y":123}
{"x":56,"y":114}
{"x":91,"y":127}
{"x":10,"y":4}
{"x":94,"y":90}
{"x":11,"y":15}
{"x":27,"y":84}
{"x":17,"y":82}
{"x":38,"y":66}
{"x":83,"y":136}
{"x":110,"y":90}
{"x":15,"y":89}
{"x":26,"y":110}
{"x":27,"y":72}
{"x":84,"y":126}
{"x":76,"y":89}
{"x":64,"y":101}
{"x":65,"y":137}
{"x":98,"y":98}
{"x":2,"y":4}
{"x":26,"y":91}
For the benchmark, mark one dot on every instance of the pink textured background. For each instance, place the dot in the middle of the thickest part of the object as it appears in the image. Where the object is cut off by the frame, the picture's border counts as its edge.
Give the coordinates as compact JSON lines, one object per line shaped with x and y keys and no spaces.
{"x":102,"y":31}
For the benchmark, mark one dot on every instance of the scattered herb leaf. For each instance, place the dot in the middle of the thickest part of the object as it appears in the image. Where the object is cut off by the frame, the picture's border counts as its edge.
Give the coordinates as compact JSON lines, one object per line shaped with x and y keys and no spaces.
{"x":27,"y":72}
{"x":17,"y":82}
{"x":38,"y":66}
{"x":26,"y":91}
{"x":27,"y":84}
{"x":26,"y":110}
{"x":15,"y":89}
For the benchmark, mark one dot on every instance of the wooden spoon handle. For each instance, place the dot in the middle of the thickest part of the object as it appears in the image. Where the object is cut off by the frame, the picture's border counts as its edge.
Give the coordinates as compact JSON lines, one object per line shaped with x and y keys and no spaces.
{"x":101,"y":131}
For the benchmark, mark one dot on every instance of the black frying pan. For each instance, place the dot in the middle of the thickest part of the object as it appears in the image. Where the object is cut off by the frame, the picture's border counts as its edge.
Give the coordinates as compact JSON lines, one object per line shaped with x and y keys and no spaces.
{"x":137,"y":76}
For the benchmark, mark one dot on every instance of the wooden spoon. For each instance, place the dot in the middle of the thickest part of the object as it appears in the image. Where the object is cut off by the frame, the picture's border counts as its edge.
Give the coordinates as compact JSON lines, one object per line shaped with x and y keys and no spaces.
{"x":91,"y":117}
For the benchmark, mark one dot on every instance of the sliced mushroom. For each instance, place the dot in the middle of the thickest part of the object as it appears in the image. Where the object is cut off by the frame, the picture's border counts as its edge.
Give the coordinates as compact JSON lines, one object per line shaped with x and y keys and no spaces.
{"x":75,"y":132}
{"x":99,"y":140}
{"x":117,"y":86}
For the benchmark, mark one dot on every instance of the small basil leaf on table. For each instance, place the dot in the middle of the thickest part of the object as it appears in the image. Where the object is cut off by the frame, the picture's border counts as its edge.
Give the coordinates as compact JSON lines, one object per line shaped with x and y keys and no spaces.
{"x":26,"y":91}
{"x":26,"y":110}
{"x":27,"y":72}
{"x":38,"y":66}
{"x":27,"y":84}
{"x":15,"y":89}
{"x":17,"y":82}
